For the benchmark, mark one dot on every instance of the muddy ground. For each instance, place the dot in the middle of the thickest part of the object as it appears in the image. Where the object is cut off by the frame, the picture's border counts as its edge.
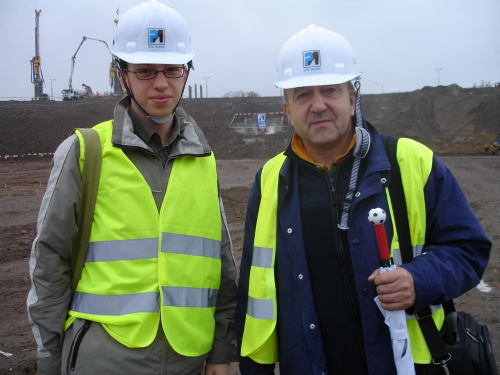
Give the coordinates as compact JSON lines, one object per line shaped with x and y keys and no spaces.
{"x":22,"y":185}
{"x":454,"y":122}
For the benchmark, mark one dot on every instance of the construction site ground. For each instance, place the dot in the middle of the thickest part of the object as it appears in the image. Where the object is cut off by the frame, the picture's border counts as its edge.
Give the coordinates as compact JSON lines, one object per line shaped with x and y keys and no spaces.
{"x":454,"y":122}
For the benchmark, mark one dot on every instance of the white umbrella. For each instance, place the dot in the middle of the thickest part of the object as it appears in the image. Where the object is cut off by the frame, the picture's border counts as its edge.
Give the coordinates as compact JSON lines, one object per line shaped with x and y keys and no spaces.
{"x":395,"y":320}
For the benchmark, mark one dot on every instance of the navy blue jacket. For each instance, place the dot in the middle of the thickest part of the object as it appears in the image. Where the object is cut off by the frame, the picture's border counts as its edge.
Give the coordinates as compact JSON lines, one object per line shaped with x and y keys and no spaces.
{"x":456,"y":254}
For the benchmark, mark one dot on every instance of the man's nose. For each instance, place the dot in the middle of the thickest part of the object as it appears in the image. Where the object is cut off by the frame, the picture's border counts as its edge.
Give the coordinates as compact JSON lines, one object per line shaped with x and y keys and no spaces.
{"x":318,"y":103}
{"x":160,"y":81}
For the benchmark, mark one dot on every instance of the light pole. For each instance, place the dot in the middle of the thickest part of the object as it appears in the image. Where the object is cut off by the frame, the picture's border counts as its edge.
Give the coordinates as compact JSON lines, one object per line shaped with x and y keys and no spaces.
{"x":438,"y":69}
{"x":206,"y":85}
{"x":381,"y":86}
{"x":51,"y":91}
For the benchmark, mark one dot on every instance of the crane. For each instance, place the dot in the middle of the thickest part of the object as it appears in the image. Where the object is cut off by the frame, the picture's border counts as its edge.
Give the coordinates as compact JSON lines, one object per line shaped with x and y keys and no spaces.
{"x":36,"y":70}
{"x":68,"y":94}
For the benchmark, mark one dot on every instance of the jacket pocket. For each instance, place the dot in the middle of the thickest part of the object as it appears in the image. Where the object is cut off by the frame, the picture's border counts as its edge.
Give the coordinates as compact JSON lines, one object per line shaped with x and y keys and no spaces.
{"x":75,"y":345}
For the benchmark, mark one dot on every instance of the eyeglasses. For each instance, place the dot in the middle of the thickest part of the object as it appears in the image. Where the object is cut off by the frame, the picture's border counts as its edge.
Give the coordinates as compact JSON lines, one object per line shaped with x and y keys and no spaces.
{"x":170,"y":72}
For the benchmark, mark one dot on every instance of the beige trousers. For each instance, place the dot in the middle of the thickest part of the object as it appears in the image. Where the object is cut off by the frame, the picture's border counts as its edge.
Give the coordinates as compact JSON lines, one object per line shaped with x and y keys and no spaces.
{"x":98,"y":353}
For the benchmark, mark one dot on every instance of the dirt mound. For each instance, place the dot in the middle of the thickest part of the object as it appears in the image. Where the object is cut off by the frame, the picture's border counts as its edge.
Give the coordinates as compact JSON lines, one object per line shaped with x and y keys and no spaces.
{"x":448,"y":119}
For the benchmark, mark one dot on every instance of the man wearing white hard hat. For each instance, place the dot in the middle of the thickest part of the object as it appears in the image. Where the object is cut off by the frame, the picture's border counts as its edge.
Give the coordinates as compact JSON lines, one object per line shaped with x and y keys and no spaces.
{"x":310,"y":265}
{"x":157,"y":290}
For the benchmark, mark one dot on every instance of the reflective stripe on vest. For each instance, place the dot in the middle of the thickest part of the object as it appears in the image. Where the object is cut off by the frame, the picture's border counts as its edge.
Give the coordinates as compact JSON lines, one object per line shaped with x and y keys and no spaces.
{"x":260,"y":340}
{"x":159,"y":264}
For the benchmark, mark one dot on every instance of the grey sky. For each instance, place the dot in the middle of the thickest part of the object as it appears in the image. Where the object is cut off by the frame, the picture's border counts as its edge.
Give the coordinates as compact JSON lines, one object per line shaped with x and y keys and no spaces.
{"x":398,"y":44}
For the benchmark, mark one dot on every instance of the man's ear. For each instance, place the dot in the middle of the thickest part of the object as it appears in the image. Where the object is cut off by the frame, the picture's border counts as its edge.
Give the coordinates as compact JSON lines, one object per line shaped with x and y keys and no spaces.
{"x":286,"y":109}
{"x":122,"y":79}
{"x":286,"y":105}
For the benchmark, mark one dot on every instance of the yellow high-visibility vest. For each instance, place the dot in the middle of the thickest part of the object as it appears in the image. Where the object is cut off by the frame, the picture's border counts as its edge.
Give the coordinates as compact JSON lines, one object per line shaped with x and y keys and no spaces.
{"x":259,"y":337}
{"x":143,"y":266}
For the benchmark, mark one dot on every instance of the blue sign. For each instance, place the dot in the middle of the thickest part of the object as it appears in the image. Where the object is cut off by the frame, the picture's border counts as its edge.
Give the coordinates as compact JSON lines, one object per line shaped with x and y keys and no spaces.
{"x":261,"y":123}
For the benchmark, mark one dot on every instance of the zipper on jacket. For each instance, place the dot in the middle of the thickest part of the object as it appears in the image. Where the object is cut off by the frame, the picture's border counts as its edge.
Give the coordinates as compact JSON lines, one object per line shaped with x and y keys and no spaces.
{"x":351,"y":291}
{"x":344,"y":263}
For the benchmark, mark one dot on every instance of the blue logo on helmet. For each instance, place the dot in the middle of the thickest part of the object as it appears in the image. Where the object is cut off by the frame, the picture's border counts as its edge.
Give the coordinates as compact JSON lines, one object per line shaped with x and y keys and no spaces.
{"x":156,"y":37}
{"x":312,"y":61}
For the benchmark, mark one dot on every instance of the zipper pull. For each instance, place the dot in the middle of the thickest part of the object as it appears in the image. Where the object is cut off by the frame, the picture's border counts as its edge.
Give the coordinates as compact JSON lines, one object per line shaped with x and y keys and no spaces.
{"x":469,"y":333}
{"x":332,"y":184}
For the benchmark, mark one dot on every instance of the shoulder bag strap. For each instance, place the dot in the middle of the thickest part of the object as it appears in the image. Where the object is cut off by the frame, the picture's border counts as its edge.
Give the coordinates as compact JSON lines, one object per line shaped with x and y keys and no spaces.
{"x":432,"y":337}
{"x":90,"y":182}
{"x":398,"y":199}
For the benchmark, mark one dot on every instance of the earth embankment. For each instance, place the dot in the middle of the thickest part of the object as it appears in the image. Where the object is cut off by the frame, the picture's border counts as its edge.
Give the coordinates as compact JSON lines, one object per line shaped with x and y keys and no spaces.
{"x":448,"y":119}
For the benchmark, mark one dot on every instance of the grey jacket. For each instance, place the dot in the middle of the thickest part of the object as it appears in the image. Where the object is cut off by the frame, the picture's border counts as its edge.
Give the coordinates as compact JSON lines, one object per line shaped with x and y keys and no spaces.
{"x":50,"y":296}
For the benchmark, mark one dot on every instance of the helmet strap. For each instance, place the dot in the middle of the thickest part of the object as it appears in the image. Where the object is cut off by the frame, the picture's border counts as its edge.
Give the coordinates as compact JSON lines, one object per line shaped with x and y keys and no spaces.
{"x":189,"y":67}
{"x":359,"y":119}
{"x":361,"y":148}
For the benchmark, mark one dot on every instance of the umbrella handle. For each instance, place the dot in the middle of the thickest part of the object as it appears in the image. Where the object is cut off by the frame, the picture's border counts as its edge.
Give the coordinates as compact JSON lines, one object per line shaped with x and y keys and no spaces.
{"x":376,"y":217}
{"x":382,"y":242}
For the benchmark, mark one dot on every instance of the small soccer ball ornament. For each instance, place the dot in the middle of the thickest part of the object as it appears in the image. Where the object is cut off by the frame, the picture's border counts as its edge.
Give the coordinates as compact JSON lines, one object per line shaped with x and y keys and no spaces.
{"x":376,"y":216}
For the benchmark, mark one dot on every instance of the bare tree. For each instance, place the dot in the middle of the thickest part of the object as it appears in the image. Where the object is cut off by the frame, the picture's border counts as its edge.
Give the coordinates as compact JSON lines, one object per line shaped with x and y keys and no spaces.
{"x":241,"y":94}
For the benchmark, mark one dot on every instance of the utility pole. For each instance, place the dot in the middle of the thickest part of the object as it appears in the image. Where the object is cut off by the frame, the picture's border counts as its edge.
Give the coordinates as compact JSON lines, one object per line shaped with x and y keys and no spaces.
{"x":438,"y":69}
{"x":116,"y":85}
{"x":381,"y":86}
{"x":51,"y":90}
{"x":206,"y":85}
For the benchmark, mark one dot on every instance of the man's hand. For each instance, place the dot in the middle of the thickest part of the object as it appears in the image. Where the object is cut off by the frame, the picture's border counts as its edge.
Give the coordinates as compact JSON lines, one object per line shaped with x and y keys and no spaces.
{"x":217,"y":369}
{"x":396,"y":289}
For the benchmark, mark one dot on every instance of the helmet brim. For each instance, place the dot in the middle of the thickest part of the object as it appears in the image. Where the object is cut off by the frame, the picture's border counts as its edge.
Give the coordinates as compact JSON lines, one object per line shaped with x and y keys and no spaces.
{"x":156,"y":58}
{"x":315,"y":80}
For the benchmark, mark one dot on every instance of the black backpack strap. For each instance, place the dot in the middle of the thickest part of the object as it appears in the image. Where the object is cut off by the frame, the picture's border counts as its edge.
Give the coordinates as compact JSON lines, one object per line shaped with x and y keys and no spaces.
{"x":90,"y":182}
{"x":398,"y":200}
{"x":431,"y":334}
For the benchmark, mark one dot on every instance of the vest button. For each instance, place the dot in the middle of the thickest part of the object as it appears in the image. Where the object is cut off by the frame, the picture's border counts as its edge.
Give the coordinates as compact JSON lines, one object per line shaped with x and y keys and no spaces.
{"x":355,"y":241}
{"x":312,"y":326}
{"x":383,"y":181}
{"x":357,"y":194}
{"x":289,"y":230}
{"x":300,"y":276}
{"x":364,"y":292}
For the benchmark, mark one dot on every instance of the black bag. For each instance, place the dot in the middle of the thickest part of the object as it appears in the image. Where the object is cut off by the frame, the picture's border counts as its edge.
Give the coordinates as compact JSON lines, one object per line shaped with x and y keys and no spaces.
{"x":468,"y":344}
{"x":463,"y":346}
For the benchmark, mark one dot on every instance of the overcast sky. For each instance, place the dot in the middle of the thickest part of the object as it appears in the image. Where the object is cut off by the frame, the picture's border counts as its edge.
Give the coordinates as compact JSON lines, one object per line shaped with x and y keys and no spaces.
{"x":399,"y":45}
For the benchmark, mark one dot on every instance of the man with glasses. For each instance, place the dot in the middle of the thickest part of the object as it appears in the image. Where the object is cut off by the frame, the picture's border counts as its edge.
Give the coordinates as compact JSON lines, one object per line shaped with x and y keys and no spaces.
{"x":157,"y":292}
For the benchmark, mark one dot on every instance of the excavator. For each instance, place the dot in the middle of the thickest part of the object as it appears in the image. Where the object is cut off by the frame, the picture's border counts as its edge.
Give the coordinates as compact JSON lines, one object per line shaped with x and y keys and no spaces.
{"x":493,"y":148}
{"x":86,"y":91}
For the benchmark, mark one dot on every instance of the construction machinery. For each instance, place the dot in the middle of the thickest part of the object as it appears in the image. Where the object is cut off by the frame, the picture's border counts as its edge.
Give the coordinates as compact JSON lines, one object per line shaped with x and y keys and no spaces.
{"x":494,"y":147}
{"x":86,"y":91}
{"x":36,"y":70}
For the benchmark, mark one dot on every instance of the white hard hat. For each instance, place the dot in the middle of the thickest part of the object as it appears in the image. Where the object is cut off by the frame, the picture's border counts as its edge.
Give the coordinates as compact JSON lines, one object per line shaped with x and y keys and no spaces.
{"x":315,"y":56}
{"x":152,"y":33}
